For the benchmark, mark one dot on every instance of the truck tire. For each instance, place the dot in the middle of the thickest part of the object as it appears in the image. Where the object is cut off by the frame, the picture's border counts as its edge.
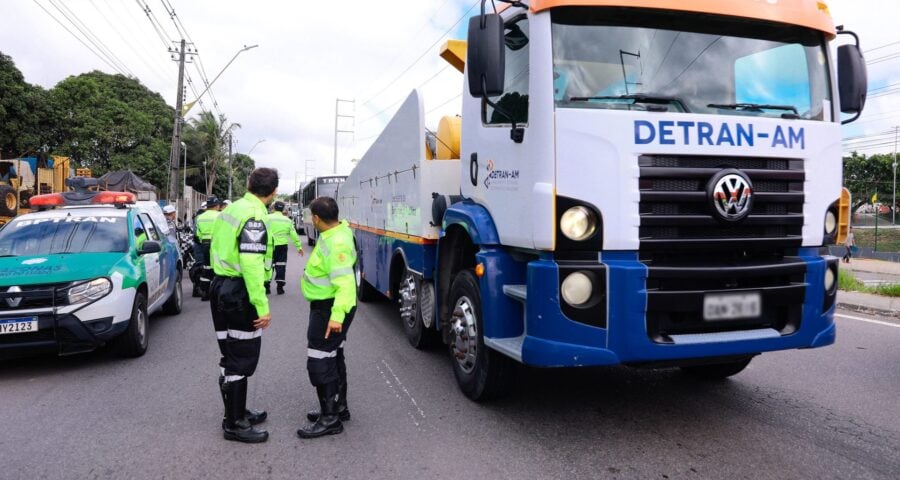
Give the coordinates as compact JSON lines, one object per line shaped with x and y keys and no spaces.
{"x":718,"y":371}
{"x":365,"y":293}
{"x":176,"y":300}
{"x":411,"y":295}
{"x":9,"y":206}
{"x":485,"y":373}
{"x":133,"y":343}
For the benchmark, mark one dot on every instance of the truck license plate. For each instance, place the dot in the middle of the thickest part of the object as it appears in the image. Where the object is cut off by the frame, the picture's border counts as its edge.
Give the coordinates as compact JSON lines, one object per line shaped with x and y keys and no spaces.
{"x":18,"y":325}
{"x":732,"y":306}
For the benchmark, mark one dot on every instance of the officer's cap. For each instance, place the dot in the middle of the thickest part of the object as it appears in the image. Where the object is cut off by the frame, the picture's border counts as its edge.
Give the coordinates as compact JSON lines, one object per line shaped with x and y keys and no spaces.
{"x":213,"y":201}
{"x":278,"y":206}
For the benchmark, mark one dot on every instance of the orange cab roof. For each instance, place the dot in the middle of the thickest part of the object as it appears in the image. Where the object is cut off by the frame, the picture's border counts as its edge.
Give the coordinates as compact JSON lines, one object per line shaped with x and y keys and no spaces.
{"x":806,"y":13}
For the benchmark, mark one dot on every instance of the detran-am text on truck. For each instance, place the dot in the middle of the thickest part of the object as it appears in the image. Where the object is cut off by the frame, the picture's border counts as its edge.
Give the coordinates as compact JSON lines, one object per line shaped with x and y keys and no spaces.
{"x":646,"y":183}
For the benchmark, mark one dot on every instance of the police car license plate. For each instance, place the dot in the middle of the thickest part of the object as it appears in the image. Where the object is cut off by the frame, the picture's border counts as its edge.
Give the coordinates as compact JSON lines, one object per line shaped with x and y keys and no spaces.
{"x":18,"y":325}
{"x":732,"y":306}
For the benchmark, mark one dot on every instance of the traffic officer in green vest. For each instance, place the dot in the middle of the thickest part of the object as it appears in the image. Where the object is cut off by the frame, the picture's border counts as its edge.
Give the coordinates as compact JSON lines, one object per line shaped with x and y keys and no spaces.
{"x":329,"y":284}
{"x":240,"y":309}
{"x":203,"y":232}
{"x":282,"y":229}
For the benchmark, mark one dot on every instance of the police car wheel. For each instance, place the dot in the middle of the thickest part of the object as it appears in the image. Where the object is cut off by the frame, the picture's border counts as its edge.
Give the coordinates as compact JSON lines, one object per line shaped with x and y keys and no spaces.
{"x":410,"y":296}
{"x":482,"y":373}
{"x":175,"y":302}
{"x":719,"y":371}
{"x":133,"y":343}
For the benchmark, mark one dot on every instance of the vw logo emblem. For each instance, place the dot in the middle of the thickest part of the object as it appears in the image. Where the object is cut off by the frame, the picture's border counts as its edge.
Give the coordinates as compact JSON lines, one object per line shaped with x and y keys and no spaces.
{"x":14,"y":302}
{"x":731,"y":194}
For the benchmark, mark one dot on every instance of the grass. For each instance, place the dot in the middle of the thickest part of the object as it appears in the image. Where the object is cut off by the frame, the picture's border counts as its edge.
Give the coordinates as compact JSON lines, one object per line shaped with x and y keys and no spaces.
{"x":847,"y":282}
{"x":888,"y":238}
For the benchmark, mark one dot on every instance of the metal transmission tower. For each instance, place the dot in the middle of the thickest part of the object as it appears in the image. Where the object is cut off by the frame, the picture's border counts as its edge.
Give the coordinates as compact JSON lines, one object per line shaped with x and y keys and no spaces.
{"x":337,"y":116}
{"x":184,"y":55}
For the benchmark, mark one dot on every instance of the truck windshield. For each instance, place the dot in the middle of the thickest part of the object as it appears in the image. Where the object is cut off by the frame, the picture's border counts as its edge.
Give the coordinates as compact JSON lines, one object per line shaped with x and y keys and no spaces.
{"x":663,"y":61}
{"x":73,"y":234}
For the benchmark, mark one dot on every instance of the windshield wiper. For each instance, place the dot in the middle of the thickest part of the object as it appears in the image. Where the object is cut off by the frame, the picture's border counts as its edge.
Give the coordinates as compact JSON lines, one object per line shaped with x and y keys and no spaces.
{"x":756,"y":107}
{"x":637,"y":98}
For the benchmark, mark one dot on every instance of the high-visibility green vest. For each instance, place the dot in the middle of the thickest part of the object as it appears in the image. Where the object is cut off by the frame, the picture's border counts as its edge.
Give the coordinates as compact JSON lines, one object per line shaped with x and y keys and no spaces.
{"x":329,"y":271}
{"x":203,"y":227}
{"x":282,"y":230}
{"x":240,"y":246}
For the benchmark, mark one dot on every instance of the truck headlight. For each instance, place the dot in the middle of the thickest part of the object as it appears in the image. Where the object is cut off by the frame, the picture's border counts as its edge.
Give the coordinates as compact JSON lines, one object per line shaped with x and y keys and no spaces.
{"x":89,"y":291}
{"x":578,"y":223}
{"x":577,"y":289}
{"x":830,"y":279}
{"x":831,"y":223}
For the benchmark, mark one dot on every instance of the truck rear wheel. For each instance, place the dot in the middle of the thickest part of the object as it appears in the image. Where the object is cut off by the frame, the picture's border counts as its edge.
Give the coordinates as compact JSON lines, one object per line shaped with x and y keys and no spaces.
{"x":482,"y":373}
{"x":364,"y":292}
{"x":718,"y":371}
{"x":133,"y":343}
{"x":414,"y":304}
{"x":10,"y":204}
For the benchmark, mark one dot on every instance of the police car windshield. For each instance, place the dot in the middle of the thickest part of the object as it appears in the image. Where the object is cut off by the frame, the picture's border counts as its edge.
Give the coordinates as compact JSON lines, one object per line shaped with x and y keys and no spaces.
{"x":710,"y":64}
{"x":64,"y":235}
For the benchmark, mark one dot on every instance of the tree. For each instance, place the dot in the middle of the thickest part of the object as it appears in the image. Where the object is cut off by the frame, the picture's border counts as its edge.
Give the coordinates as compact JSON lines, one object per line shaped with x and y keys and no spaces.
{"x":112,"y":122}
{"x":209,"y":134}
{"x":24,"y":116}
{"x":865,"y":176}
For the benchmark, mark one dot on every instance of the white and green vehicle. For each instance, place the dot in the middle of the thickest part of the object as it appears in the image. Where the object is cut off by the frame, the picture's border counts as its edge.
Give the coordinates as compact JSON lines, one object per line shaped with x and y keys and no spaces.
{"x":86,"y":270}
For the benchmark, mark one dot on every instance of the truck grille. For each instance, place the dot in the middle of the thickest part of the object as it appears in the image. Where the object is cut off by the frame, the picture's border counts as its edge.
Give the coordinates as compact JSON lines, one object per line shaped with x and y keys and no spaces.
{"x":675,"y":210}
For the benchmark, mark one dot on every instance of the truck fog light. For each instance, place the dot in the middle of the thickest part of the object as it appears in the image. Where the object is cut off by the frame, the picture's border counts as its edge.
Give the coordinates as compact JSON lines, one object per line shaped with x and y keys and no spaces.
{"x":578,"y":223}
{"x":577,"y":289}
{"x":830,"y":279}
{"x":831,"y":223}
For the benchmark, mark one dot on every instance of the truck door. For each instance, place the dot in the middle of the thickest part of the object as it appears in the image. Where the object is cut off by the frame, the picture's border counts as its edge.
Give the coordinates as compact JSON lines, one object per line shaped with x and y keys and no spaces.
{"x":506,"y":177}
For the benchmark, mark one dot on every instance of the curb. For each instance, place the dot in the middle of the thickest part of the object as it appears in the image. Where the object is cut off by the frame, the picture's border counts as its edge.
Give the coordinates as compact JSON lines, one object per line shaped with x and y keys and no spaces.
{"x":868,"y":309}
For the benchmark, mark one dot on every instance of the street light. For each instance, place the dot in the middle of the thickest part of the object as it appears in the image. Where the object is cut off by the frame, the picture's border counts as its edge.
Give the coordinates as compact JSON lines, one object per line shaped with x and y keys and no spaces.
{"x":208,"y":86}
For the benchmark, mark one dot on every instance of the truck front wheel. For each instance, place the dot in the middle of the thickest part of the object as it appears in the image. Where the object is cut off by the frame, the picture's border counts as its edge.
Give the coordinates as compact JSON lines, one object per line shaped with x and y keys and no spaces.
{"x":482,"y":373}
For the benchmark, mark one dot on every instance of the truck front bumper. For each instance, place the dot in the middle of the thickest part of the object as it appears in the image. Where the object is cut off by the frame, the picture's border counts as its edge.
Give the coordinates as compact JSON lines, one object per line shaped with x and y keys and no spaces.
{"x":622,"y":329}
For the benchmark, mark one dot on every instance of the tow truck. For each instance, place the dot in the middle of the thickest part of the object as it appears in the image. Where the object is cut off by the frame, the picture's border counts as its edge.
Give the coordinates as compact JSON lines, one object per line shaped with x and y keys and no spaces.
{"x":86,"y":269}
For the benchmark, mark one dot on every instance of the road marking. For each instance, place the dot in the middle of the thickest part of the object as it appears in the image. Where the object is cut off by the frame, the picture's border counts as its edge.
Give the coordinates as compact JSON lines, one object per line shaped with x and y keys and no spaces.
{"x":867,"y":320}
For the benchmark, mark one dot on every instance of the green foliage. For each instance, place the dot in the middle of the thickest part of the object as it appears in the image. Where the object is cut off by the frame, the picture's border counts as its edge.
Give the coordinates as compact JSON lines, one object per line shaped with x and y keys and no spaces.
{"x":207,"y":137}
{"x":866,"y":175}
{"x":888,"y":238}
{"x":848,"y":282}
{"x":887,"y":290}
{"x":24,"y":116}
{"x":112,"y":122}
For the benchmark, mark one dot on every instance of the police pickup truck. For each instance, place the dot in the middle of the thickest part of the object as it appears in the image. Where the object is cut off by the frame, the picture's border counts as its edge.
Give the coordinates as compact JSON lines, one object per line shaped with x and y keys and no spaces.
{"x":86,"y":269}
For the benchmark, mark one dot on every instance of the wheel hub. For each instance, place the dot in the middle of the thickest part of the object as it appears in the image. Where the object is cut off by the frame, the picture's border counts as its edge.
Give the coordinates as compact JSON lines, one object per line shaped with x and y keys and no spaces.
{"x":464,"y":344}
{"x":409,"y":300}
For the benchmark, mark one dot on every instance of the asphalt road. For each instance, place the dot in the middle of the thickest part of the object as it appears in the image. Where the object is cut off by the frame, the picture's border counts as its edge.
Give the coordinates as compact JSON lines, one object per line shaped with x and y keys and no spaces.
{"x":825,"y":413}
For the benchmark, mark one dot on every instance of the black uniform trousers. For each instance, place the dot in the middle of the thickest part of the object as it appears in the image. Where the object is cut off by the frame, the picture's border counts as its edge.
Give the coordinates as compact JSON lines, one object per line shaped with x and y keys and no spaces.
{"x":233,"y":316}
{"x":279,"y":260}
{"x":325,"y":357}
{"x":206,"y":274}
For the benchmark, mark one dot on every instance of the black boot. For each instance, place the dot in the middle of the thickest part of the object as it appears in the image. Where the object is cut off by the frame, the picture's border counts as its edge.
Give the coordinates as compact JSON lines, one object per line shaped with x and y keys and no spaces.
{"x":255,"y":417}
{"x":268,"y":289}
{"x":281,"y":288}
{"x":343,"y":410}
{"x":329,"y":423}
{"x":237,"y":427}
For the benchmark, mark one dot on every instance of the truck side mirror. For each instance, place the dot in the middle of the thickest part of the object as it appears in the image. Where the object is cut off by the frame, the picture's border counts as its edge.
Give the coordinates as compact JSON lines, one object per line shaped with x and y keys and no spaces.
{"x":486,"y":55}
{"x":853,"y":79}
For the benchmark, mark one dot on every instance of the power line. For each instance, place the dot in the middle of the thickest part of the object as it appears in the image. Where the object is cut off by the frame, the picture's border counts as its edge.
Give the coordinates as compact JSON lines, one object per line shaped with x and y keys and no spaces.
{"x":445,"y":103}
{"x":160,"y":31}
{"x":104,"y":60}
{"x":422,"y":55}
{"x":125,"y":40}
{"x":882,"y":46}
{"x":90,"y":37}
{"x":426,"y":82}
{"x":141,"y":26}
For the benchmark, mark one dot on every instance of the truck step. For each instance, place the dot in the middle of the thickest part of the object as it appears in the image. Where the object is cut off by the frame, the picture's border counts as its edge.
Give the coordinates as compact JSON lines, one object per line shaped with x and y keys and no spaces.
{"x":511,"y":347}
{"x":518,"y":292}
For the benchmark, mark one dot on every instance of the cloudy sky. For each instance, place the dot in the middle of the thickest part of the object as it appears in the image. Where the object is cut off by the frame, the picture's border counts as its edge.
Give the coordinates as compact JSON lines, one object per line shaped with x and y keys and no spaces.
{"x":312,"y":52}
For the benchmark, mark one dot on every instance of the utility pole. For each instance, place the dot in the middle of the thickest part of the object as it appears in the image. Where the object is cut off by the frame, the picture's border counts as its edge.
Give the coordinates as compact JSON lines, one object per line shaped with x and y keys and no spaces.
{"x":894,"y":200}
{"x":337,"y":116}
{"x":175,"y":154}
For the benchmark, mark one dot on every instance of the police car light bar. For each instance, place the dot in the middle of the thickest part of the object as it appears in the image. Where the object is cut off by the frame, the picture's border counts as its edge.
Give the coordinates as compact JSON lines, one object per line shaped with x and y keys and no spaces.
{"x":79,"y":198}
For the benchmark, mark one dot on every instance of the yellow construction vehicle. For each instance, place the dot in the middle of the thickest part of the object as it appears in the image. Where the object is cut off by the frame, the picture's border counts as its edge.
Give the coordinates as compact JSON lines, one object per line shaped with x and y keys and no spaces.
{"x":22,"y":178}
